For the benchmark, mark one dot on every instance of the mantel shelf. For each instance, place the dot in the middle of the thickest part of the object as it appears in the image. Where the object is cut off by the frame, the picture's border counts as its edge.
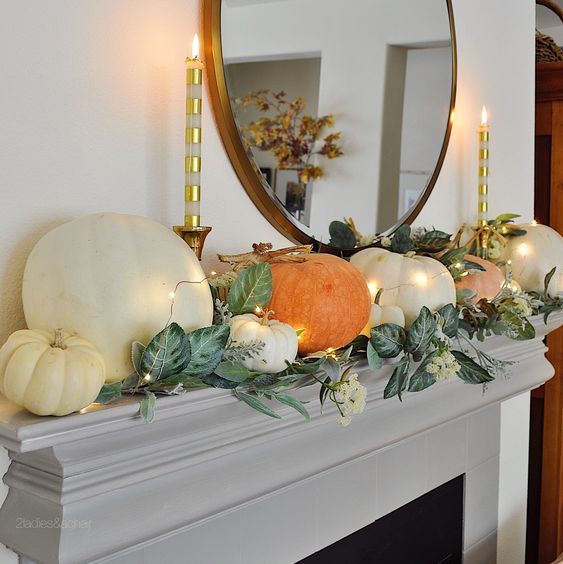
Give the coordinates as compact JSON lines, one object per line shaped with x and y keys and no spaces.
{"x":21,"y":431}
{"x":207,"y":455}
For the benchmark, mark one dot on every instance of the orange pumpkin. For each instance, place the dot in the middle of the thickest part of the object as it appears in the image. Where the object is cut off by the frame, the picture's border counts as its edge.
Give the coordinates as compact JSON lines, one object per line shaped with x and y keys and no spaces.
{"x":325,"y":295}
{"x":486,"y":283}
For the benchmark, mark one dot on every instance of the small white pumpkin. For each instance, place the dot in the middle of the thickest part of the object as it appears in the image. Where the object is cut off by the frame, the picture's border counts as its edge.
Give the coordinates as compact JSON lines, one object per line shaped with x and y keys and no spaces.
{"x":408,"y":282}
{"x":280,"y":341}
{"x":533,"y":255}
{"x":50,"y":376}
{"x":383,"y":314}
{"x":108,"y":277}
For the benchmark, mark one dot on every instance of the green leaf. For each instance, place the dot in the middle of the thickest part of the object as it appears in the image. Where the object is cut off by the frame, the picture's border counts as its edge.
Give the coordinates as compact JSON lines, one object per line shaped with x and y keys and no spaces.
{"x":420,"y":333}
{"x":470,"y":371}
{"x":255,"y":403}
{"x":398,"y":381}
{"x":450,"y":314}
{"x":504,"y":217}
{"x":207,"y":346}
{"x":463,"y":295}
{"x":306,"y":366}
{"x":514,"y":327}
{"x":299,"y":332}
{"x":109,"y":393}
{"x":130,"y":382}
{"x":470,"y":265}
{"x":234,"y":371}
{"x":137,"y":350}
{"x":515,"y":233}
{"x":148,"y":407}
{"x":420,"y":380}
{"x":401,"y":241}
{"x":341,"y":235}
{"x":324,"y":391}
{"x":453,"y":256}
{"x":252,"y":288}
{"x":331,"y":368}
{"x":218,"y":382}
{"x":374,"y":360}
{"x":167,"y":354}
{"x":388,"y":339}
{"x":547,"y":279}
{"x":292,"y":402}
{"x":186,"y":381}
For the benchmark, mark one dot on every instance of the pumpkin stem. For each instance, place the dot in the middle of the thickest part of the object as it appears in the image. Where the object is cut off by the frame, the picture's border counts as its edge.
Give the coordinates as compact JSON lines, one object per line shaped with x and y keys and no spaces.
{"x":59,"y":339}
{"x":266,"y":316}
{"x":378,"y":296}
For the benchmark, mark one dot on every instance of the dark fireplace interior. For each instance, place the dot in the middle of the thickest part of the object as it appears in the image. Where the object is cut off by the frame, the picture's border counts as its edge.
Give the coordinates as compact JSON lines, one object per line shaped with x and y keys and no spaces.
{"x":428,"y":530}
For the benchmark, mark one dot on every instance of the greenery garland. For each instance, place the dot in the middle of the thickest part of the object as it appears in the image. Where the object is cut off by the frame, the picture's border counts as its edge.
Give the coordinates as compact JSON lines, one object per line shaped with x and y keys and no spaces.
{"x":437,"y":346}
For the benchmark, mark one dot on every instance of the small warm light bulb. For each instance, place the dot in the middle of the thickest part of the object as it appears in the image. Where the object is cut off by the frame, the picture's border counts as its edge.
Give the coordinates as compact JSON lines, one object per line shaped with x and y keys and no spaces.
{"x":457,"y":265}
{"x":509,"y":262}
{"x":484,"y":115}
{"x":523,"y":249}
{"x":172,"y":295}
{"x":257,"y":310}
{"x":147,"y":378}
{"x":195,"y":47}
{"x":421,"y":279}
{"x":534,"y":223}
{"x":330,"y":350}
{"x":213,"y":273}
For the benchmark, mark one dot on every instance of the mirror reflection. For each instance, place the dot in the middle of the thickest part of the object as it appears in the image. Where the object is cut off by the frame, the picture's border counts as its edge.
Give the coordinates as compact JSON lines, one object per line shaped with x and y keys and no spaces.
{"x":343,"y":106}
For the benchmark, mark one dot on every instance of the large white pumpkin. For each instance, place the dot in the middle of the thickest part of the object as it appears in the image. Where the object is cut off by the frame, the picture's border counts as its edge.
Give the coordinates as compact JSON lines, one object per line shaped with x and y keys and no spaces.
{"x":533,"y":255}
{"x":407,"y":282}
{"x":108,"y":277}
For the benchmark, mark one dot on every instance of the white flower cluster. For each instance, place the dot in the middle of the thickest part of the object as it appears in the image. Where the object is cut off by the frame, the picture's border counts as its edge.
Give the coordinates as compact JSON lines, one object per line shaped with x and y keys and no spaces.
{"x":351,"y":398}
{"x":518,"y":304}
{"x":494,"y":249}
{"x":443,"y":366}
{"x":385,"y":242}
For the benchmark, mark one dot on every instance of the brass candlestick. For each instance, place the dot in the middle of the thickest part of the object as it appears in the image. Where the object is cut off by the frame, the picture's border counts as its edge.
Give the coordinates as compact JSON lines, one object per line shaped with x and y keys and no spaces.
{"x":193,"y":236}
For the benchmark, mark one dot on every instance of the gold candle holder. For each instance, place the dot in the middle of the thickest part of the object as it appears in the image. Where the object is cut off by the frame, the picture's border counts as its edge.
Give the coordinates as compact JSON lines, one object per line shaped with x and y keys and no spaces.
{"x":193,"y":236}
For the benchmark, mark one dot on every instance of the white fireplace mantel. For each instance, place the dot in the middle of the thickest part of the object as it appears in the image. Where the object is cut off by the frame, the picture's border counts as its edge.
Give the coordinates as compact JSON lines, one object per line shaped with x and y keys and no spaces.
{"x":211,"y":481}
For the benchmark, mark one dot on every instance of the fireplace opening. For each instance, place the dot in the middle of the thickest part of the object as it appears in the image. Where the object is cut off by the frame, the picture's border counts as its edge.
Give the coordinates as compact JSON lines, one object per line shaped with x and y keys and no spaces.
{"x":428,"y":530}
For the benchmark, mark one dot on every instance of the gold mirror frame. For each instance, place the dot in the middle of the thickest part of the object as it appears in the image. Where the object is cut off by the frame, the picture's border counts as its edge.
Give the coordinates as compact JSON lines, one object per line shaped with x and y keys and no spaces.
{"x":273,"y":211}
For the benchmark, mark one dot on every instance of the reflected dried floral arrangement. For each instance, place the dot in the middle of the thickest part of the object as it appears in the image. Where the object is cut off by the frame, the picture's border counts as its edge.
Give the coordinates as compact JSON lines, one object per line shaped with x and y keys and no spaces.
{"x":292,"y":137}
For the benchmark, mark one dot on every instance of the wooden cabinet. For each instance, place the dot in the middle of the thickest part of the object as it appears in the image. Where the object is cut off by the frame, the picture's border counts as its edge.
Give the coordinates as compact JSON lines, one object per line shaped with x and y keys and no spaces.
{"x":545,"y":512}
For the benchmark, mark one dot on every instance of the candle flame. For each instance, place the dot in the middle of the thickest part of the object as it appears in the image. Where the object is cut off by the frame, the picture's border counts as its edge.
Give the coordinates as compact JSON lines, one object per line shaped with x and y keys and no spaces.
{"x":484,"y":116}
{"x":195,"y":47}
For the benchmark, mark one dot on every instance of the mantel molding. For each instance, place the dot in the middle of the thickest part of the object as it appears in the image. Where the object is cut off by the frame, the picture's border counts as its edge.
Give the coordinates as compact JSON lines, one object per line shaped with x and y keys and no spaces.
{"x":206,"y":453}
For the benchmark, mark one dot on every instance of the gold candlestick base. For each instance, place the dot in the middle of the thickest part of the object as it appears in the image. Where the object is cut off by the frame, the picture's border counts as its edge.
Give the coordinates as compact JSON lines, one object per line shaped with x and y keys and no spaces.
{"x":193,"y":236}
{"x":482,"y":235}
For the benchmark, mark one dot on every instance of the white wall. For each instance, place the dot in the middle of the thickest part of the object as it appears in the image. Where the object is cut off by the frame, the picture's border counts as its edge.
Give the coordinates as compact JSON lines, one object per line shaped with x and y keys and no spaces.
{"x":91,"y":119}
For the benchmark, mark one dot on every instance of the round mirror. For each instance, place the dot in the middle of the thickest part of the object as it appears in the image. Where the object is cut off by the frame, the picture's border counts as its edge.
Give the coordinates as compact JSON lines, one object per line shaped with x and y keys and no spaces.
{"x":333,"y":110}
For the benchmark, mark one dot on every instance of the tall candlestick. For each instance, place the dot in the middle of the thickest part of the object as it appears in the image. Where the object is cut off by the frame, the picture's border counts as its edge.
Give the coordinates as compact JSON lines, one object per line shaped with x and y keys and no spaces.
{"x":194,"y":86}
{"x":483,"y":187}
{"x":483,"y":191}
{"x":192,"y":232}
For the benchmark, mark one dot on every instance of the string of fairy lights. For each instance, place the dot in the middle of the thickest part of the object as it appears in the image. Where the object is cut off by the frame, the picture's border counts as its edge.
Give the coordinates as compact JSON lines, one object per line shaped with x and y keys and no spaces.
{"x":421,"y":279}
